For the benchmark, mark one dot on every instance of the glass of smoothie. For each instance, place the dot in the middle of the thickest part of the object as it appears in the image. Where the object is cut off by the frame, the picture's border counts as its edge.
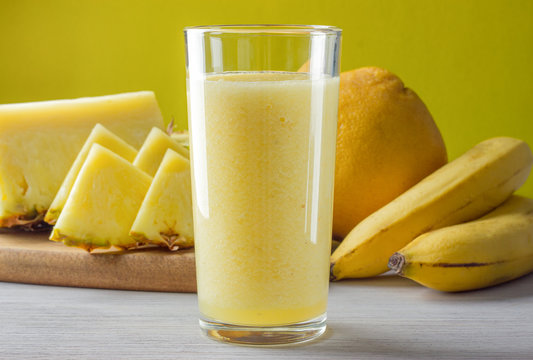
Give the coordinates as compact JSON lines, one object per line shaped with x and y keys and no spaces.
{"x":262,"y":107}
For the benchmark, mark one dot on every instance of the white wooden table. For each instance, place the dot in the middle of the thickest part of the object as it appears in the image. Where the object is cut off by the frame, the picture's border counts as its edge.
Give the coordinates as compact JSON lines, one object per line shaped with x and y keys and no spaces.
{"x":383,"y":318}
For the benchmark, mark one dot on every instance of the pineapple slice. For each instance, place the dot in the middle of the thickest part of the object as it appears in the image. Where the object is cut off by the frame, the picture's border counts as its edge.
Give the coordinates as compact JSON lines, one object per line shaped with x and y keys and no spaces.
{"x":39,"y":142}
{"x":152,"y":151}
{"x":103,"y":202}
{"x":182,"y":137}
{"x":99,"y":135}
{"x":165,"y":216}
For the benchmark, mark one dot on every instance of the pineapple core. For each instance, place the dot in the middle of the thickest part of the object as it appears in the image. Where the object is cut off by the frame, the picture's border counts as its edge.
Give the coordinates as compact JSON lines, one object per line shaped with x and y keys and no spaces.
{"x":165,"y":216}
{"x":39,"y":142}
{"x":99,"y":135}
{"x":153,"y":149}
{"x":103,"y":202}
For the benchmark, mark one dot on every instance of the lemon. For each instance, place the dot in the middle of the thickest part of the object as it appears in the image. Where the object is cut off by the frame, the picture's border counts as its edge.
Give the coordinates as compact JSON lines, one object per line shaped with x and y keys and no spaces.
{"x":387,"y":141}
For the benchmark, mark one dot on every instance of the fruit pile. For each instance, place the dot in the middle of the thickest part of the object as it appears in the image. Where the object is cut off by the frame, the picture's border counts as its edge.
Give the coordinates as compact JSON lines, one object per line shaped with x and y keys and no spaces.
{"x":132,"y":198}
{"x":398,"y":203}
{"x":458,"y":228}
{"x":112,"y":195}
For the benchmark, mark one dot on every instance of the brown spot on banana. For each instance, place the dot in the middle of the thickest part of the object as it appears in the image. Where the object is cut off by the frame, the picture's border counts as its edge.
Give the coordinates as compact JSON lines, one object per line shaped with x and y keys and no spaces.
{"x":465,"y":265}
{"x":397,"y":263}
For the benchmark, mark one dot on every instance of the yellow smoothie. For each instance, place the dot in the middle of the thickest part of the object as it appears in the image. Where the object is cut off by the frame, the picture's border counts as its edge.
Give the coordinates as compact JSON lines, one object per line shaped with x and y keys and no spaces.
{"x":263,"y":149}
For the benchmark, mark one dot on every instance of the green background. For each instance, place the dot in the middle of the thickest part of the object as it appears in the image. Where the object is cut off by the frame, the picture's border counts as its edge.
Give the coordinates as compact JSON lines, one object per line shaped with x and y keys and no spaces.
{"x":470,"y":61}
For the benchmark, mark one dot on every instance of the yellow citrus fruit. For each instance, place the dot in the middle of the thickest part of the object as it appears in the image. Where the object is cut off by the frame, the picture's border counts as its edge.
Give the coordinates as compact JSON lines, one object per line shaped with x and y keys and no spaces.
{"x":387,"y":141}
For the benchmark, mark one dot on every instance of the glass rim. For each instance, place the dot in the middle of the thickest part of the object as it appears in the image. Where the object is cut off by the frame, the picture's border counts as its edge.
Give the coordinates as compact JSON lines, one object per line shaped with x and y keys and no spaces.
{"x":273,"y":29}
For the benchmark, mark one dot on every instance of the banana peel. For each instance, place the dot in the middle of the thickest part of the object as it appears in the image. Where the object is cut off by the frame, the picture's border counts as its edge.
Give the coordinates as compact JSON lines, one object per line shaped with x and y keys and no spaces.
{"x":494,"y":249}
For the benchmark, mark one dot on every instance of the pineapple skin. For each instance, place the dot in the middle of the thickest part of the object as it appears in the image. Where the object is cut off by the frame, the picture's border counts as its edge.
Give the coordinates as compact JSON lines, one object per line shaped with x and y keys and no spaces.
{"x":39,"y":142}
{"x":165,"y":216}
{"x":99,"y":135}
{"x":103,"y":203}
{"x":153,"y":149}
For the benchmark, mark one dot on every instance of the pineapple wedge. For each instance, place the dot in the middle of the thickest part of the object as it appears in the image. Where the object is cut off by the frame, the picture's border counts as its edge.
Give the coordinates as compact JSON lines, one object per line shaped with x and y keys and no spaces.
{"x":99,"y":135}
{"x":153,"y":149}
{"x":39,"y":142}
{"x":103,"y":202}
{"x":182,"y":137}
{"x":165,"y":216}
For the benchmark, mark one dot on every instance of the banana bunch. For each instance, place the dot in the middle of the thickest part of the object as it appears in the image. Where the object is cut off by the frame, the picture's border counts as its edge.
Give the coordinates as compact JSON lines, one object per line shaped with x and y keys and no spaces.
{"x":491,"y":250}
{"x":460,"y":191}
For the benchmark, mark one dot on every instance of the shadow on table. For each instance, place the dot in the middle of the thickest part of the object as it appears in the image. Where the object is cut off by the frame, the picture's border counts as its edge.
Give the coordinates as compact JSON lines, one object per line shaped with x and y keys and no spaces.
{"x":518,"y":288}
{"x":388,"y":280}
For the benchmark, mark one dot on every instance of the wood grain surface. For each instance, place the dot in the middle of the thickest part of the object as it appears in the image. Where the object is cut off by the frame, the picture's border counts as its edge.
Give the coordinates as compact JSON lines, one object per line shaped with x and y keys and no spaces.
{"x":32,"y":258}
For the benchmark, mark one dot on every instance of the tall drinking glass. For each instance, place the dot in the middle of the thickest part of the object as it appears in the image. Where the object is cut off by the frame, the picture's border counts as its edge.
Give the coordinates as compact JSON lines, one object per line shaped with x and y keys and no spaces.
{"x":262,"y":103}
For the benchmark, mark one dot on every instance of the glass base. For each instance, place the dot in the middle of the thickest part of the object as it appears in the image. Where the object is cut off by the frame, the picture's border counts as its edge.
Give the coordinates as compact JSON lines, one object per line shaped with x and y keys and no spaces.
{"x":264,"y":335}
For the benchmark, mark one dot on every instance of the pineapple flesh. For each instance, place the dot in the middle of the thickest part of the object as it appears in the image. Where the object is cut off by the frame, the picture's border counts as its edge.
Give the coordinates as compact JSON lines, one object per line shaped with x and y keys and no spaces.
{"x":165,"y":216}
{"x":182,"y":137}
{"x":103,"y":203}
{"x":153,"y":149}
{"x":99,"y":135}
{"x":39,"y":142}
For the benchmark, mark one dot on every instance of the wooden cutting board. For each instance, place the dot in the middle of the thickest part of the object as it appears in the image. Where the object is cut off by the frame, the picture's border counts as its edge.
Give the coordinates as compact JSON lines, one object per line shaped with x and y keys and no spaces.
{"x":32,"y":258}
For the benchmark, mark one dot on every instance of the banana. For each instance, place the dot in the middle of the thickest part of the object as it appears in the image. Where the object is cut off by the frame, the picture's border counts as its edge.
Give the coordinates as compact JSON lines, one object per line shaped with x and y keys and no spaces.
{"x":491,"y":250}
{"x":462,"y":190}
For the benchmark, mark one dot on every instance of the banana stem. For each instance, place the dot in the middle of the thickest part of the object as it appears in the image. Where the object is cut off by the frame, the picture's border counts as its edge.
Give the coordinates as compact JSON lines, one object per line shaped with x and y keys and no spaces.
{"x":331,"y":276}
{"x":397,"y":263}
